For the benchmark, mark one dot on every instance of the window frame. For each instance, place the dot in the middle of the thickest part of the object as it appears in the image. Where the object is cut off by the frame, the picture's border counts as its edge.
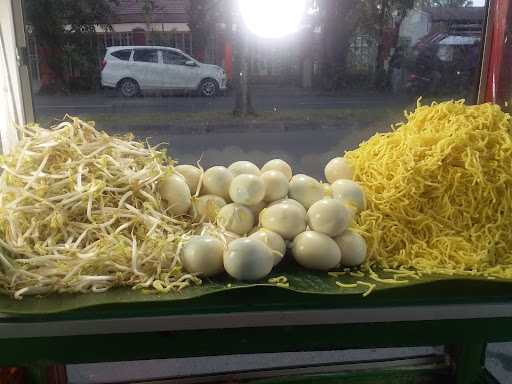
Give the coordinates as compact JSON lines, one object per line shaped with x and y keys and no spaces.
{"x":495,"y":77}
{"x":17,"y":108}
{"x":26,"y":109}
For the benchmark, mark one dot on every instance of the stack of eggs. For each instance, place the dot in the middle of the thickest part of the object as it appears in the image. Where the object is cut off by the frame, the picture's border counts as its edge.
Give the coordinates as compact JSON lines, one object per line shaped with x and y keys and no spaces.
{"x":248,"y":217}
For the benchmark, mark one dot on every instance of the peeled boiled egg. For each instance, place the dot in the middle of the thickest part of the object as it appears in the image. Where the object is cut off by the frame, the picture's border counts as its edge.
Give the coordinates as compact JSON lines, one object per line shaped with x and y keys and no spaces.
{"x":305,"y":189}
{"x":329,"y":216}
{"x":338,"y":168}
{"x":176,"y":192}
{"x":290,"y":201}
{"x":349,"y":192}
{"x":248,"y":259}
{"x":247,"y":189}
{"x":272,"y":240}
{"x":244,"y":167}
{"x":257,"y":208}
{"x":286,"y":219}
{"x":327,"y":189}
{"x":216,"y":181}
{"x":203,"y":255}
{"x":207,"y":207}
{"x":191,"y":174}
{"x":315,"y":250}
{"x":219,"y":233}
{"x":278,"y":165}
{"x":276,"y":185}
{"x":353,"y":248}
{"x":236,"y":218}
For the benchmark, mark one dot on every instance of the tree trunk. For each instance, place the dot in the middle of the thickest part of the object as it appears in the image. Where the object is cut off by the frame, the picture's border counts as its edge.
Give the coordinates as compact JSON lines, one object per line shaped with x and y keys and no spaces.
{"x":380,"y":73}
{"x":244,"y":73}
{"x":341,"y":19}
{"x":241,"y":73}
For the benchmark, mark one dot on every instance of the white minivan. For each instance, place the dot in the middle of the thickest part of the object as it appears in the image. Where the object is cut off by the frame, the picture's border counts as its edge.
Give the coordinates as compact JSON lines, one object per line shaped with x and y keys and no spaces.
{"x":132,"y":69}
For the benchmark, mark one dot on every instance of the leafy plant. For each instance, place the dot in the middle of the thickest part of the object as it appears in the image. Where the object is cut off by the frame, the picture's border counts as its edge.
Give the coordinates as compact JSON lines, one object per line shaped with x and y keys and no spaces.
{"x":66,"y":34}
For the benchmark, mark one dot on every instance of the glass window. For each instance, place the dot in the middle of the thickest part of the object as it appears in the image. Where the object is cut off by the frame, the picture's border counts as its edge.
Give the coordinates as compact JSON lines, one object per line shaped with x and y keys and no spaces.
{"x":346,"y":71}
{"x":123,"y":54}
{"x":172,"y":57}
{"x":146,"y":55}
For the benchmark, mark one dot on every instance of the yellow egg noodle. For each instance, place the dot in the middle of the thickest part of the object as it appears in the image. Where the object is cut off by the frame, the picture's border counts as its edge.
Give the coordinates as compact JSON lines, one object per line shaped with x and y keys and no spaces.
{"x":344,"y":285}
{"x":280,"y":281}
{"x":370,"y":286}
{"x":439,"y":192}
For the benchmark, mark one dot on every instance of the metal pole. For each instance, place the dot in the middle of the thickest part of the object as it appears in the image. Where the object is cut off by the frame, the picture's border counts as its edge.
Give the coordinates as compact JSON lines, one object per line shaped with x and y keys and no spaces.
{"x":244,"y":69}
{"x":497,"y":86}
{"x":486,"y":49}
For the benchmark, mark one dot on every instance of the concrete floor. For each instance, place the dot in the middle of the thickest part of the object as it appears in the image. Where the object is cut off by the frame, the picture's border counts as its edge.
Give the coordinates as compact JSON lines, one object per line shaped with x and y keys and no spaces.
{"x":499,"y":361}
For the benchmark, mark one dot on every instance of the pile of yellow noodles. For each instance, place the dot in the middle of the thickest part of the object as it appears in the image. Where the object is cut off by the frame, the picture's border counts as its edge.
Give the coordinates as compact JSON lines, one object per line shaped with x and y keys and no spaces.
{"x":439,"y":191}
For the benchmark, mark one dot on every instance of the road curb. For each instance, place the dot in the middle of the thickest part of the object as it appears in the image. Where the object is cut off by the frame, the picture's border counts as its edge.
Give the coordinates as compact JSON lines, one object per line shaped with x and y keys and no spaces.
{"x":236,"y":127}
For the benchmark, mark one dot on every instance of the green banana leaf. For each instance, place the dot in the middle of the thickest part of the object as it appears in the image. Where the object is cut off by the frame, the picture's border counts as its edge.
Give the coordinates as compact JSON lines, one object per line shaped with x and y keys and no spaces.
{"x":300,"y":280}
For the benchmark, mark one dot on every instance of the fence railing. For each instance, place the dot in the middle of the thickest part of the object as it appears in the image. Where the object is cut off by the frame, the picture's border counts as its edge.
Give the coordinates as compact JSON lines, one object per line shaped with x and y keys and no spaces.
{"x":174,"y":39}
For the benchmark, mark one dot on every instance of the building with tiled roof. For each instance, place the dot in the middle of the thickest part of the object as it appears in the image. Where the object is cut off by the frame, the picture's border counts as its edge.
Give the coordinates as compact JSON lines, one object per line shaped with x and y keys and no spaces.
{"x":163,"y":11}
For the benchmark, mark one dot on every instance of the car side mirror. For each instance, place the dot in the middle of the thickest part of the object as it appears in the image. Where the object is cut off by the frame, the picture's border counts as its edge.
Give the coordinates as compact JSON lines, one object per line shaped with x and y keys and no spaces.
{"x":190,"y":63}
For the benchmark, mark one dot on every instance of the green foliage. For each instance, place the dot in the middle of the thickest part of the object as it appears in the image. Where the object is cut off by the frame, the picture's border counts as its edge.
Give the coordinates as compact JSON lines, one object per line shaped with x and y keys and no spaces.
{"x":341,"y":20}
{"x":203,"y":17}
{"x":148,"y":6}
{"x":65,"y":30}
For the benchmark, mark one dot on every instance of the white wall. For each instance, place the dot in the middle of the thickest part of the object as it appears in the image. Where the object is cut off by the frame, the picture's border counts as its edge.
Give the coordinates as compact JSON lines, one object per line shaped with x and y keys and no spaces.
{"x":10,"y":92}
{"x":158,"y":27}
{"x":415,"y":25}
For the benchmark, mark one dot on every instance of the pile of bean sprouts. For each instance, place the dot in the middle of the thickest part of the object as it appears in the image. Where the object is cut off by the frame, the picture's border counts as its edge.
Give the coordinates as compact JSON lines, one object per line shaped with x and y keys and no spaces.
{"x":80,"y":212}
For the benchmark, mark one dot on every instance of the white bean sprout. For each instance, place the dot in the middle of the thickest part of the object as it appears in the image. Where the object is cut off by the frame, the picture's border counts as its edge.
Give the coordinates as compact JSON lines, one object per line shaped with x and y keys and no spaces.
{"x":80,"y":212}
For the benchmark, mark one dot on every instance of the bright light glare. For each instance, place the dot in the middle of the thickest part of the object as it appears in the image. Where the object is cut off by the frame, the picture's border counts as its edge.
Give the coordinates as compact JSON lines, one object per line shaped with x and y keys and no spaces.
{"x":272,"y":18}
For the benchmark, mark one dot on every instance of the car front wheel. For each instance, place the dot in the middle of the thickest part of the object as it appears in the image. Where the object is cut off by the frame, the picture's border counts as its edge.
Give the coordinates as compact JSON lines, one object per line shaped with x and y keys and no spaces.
{"x":208,"y":88}
{"x":129,"y":88}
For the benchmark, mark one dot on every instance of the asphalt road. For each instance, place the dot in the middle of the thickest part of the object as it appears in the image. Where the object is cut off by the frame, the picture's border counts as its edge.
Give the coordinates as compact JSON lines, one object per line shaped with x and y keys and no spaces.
{"x":307,"y":145}
{"x":264,"y":99}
